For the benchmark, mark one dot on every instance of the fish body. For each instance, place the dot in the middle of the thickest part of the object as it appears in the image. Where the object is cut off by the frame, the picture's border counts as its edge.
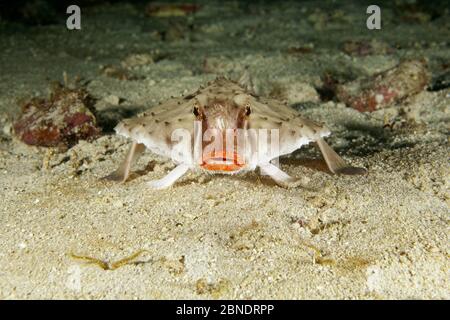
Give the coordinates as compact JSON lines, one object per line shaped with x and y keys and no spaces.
{"x":224,"y":128}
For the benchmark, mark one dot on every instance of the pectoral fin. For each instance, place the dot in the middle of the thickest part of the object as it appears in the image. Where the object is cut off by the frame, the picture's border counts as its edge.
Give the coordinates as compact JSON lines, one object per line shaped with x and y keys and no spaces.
{"x":123,"y":172}
{"x":279,"y":176}
{"x":170,"y":178}
{"x":335,"y":163}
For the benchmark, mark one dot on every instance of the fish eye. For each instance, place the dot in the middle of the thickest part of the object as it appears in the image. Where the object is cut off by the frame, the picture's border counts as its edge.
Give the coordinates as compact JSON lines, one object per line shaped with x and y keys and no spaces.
{"x":248,"y":111}
{"x":196,"y":111}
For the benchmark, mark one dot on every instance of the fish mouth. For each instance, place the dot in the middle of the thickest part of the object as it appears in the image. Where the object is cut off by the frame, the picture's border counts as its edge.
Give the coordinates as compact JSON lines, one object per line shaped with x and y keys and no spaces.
{"x":222,"y":161}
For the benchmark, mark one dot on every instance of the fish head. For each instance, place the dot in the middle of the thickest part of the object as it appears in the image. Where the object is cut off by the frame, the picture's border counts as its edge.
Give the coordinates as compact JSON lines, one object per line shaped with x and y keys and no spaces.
{"x":223,"y":122}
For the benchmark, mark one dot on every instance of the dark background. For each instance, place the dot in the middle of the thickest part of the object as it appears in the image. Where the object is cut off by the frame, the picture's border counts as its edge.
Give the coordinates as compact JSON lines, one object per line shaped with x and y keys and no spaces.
{"x":41,"y":12}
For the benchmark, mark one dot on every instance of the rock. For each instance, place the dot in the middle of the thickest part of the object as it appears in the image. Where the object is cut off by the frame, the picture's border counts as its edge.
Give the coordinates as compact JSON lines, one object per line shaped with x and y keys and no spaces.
{"x":162,"y":10}
{"x":295,"y":92}
{"x":112,"y":100}
{"x":61,"y":120}
{"x":134,"y":60}
{"x":386,"y":88}
{"x":365,"y":48}
{"x":117,"y":72}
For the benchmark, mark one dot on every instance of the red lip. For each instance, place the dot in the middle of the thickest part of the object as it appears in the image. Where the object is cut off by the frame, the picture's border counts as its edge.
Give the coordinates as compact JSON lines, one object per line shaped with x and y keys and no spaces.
{"x":222,"y":161}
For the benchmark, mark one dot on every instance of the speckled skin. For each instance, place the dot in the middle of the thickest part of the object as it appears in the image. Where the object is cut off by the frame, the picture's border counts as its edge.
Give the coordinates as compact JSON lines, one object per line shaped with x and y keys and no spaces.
{"x":153,"y":128}
{"x":224,"y":104}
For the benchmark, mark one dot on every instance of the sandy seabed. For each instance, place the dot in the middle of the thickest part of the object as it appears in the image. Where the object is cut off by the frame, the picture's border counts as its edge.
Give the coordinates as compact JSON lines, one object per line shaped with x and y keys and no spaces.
{"x":382,"y":236}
